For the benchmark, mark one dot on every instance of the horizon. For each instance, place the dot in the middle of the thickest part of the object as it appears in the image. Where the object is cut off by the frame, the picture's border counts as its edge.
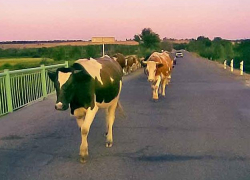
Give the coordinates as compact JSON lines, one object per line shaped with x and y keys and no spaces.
{"x":50,"y":20}
{"x":173,"y":39}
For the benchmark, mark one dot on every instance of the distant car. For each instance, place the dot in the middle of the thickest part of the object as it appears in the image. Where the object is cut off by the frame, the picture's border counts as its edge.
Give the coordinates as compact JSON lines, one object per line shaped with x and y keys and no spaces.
{"x":179,"y":54}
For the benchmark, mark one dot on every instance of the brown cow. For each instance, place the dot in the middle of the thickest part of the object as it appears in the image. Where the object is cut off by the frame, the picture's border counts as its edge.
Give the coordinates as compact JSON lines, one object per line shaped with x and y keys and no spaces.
{"x":132,"y":63}
{"x":159,"y":67}
{"x":120,"y":58}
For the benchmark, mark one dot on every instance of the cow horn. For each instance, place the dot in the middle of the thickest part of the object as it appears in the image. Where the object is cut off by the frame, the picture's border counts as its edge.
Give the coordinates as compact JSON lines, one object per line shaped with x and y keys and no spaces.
{"x":145,"y":62}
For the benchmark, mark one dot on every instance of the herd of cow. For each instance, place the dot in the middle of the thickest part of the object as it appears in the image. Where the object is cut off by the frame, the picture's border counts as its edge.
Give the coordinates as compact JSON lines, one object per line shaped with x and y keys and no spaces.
{"x":128,"y":63}
{"x":90,"y":84}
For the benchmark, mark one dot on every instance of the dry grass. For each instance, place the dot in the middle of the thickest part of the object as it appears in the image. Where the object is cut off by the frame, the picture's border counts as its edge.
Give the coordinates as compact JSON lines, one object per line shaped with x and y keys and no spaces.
{"x":54,"y":44}
{"x":179,"y":41}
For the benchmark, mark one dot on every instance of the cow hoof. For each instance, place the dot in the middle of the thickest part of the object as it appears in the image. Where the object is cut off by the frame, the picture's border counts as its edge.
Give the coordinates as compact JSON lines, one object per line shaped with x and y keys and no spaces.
{"x":155,"y":100}
{"x":109,"y":144}
{"x":83,"y":159}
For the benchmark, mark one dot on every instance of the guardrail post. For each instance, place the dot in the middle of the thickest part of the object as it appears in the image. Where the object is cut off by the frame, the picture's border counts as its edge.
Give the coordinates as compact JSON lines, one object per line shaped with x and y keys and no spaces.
{"x":66,"y":64}
{"x":43,"y":78}
{"x":232,"y":65}
{"x":8,"y":90}
{"x":241,"y":67}
{"x":225,"y":64}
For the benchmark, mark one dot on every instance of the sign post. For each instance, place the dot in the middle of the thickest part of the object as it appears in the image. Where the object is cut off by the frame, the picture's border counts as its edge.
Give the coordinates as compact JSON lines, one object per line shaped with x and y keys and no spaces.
{"x":103,"y":50}
{"x":103,"y":41}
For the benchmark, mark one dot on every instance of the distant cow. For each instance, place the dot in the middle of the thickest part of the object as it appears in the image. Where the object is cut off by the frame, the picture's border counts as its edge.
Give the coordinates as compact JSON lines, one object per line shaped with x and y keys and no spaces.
{"x":132,"y":63}
{"x":87,"y":86}
{"x":120,"y":58}
{"x":159,"y":67}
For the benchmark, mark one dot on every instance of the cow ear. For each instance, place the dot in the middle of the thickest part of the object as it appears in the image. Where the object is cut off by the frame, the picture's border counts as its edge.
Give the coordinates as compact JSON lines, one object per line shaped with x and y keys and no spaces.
{"x":52,"y":75}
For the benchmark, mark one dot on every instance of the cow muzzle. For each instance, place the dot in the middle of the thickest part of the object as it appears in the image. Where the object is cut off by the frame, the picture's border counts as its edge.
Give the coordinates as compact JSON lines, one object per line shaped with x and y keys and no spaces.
{"x":151,"y":80}
{"x":61,"y":107}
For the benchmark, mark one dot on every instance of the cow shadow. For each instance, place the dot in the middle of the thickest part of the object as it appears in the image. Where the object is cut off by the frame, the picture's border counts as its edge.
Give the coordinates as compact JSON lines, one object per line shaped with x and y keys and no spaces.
{"x":177,"y":158}
{"x":161,"y":99}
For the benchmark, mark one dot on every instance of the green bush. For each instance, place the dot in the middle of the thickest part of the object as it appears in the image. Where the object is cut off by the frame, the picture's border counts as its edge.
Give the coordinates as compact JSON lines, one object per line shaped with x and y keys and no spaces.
{"x":180,"y":46}
{"x":93,"y":51}
{"x":166,"y":46}
{"x":124,"y":49}
{"x":23,"y":66}
{"x":221,"y":50}
{"x":44,"y":61}
{"x":6,"y":66}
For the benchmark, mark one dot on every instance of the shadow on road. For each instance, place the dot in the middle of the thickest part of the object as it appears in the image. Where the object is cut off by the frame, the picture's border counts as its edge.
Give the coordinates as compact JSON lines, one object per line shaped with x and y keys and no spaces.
{"x":175,"y":158}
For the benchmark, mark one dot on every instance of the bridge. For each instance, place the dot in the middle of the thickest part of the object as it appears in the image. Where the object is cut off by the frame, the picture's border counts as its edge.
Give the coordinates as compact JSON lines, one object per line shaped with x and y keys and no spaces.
{"x":200,"y":130}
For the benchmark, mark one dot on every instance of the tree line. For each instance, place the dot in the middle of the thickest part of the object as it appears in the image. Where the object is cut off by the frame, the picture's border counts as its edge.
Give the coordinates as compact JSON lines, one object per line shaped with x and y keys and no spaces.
{"x":220,"y":50}
{"x":217,"y":49}
{"x":148,"y":42}
{"x":66,"y":52}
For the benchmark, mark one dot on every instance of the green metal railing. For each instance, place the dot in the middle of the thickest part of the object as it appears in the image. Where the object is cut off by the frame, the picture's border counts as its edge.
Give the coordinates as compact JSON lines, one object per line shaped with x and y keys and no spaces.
{"x":19,"y":88}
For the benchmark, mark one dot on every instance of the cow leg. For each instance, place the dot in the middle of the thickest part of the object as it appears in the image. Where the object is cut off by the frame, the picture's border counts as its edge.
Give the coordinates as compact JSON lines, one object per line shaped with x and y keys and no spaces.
{"x":85,"y":126}
{"x":164,"y":82}
{"x":79,"y":115}
{"x":127,"y":70}
{"x":169,"y":78}
{"x":124,"y":71}
{"x":160,"y":89}
{"x":110,"y":118}
{"x":156,"y":88}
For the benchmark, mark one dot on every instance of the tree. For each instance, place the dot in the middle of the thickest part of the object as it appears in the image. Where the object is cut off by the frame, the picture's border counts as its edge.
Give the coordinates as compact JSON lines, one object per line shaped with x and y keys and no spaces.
{"x":205,"y":41}
{"x":137,"y":38}
{"x":148,"y":38}
{"x":166,"y":46}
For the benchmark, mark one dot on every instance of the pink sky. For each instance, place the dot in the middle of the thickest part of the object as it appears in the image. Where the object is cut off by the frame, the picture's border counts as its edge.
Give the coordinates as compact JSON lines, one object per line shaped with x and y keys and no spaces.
{"x":83,"y":19}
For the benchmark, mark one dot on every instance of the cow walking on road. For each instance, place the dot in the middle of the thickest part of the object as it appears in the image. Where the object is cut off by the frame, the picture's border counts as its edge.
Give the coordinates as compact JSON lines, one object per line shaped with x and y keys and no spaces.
{"x":87,"y":86}
{"x":120,"y":58}
{"x":159,"y":68}
{"x":132,"y":63}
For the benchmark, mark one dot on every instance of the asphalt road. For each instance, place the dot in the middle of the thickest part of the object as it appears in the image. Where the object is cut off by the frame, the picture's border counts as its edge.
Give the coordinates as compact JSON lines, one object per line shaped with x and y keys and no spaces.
{"x":199,"y":131}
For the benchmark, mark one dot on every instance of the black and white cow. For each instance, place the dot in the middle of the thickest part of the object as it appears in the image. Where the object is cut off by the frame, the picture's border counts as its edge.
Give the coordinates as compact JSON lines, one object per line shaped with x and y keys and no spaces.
{"x":87,"y":86}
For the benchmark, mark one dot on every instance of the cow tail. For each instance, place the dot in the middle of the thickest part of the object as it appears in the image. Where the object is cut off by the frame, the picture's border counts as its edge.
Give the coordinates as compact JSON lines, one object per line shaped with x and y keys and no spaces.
{"x":120,"y":109}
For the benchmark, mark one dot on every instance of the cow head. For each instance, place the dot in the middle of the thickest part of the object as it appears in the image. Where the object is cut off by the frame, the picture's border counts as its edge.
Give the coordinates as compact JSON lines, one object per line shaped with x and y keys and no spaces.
{"x":65,"y":81}
{"x":151,"y":68}
{"x":118,"y":56}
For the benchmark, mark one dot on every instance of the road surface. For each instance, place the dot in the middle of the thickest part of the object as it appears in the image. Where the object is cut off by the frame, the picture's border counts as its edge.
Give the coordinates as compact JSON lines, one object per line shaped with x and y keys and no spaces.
{"x":199,"y":131}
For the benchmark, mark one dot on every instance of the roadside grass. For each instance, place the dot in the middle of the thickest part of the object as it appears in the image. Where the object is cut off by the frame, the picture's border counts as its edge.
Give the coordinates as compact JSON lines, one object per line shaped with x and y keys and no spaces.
{"x":14,"y":61}
{"x":24,"y":63}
